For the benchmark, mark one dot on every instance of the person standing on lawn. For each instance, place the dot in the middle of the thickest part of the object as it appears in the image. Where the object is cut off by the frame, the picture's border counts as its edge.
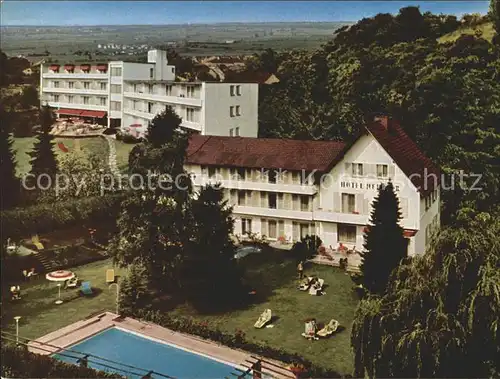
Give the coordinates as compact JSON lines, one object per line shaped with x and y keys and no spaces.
{"x":300,"y":270}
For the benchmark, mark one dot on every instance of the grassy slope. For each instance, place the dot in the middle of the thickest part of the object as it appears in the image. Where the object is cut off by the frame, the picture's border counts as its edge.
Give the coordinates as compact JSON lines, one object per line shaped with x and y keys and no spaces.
{"x":486,"y":28}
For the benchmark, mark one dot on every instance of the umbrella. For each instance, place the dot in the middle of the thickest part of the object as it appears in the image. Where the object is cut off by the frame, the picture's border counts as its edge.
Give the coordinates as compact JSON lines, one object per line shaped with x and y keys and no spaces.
{"x":60,"y":276}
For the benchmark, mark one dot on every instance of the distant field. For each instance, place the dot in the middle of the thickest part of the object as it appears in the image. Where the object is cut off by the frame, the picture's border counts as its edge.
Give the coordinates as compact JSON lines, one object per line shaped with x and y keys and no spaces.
{"x":486,"y":29}
{"x":62,"y":42}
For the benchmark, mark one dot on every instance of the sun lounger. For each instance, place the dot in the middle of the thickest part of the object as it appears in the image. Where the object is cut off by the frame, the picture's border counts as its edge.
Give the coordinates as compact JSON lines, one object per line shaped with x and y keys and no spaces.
{"x":310,"y":330}
{"x":317,"y":287}
{"x":110,"y":276}
{"x":264,"y":318}
{"x":86,"y":288}
{"x":329,"y":328}
{"x":72,"y":283}
{"x":36,"y":242}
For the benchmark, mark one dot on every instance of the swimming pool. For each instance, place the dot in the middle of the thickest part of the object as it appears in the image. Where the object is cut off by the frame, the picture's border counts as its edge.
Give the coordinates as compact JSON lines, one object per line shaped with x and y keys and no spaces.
{"x":144,"y":353}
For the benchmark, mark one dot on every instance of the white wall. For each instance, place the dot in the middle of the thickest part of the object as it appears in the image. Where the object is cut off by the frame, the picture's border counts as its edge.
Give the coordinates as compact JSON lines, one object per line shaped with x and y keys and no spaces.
{"x":426,"y":219}
{"x":137,"y":71}
{"x":217,"y":100}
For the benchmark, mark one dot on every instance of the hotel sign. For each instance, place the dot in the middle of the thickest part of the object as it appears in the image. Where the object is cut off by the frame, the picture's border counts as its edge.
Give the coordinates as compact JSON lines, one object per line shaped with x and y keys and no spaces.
{"x":361,"y":185}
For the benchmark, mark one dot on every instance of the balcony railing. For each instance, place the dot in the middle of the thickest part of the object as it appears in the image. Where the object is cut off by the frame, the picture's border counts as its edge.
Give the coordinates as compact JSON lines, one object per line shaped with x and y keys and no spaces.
{"x":195,"y":102}
{"x":79,"y":75}
{"x":89,"y":91}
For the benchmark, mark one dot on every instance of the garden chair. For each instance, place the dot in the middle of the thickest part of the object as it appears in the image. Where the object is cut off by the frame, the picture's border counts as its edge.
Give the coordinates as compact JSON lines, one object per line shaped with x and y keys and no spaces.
{"x":110,"y":276}
{"x":329,"y":328}
{"x":36,"y":241}
{"x":317,"y":287}
{"x":264,"y":318}
{"x":72,"y":283}
{"x":86,"y":288}
{"x":310,"y":330}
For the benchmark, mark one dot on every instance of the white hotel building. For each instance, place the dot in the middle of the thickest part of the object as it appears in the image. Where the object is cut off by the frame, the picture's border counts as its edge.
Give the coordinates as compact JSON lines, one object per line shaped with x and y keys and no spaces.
{"x":129,"y":95}
{"x":334,"y":202}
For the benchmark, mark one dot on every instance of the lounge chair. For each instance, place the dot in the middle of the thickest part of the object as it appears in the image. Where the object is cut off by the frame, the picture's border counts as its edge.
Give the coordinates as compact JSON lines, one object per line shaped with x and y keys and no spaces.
{"x":310,"y":330}
{"x":317,"y":287}
{"x":264,"y":318}
{"x":329,"y":328}
{"x":305,"y":283}
{"x":36,"y":241}
{"x":86,"y":288}
{"x":110,"y":276}
{"x":72,"y":283}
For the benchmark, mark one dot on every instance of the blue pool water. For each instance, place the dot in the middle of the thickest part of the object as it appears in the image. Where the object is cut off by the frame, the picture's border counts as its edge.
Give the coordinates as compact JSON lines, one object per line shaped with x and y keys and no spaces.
{"x":149,"y":355}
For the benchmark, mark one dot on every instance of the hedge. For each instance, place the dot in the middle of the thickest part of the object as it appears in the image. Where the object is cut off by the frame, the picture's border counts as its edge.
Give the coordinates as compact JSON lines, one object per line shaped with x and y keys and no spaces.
{"x":20,"y":363}
{"x":46,"y":217}
{"x":236,"y":340}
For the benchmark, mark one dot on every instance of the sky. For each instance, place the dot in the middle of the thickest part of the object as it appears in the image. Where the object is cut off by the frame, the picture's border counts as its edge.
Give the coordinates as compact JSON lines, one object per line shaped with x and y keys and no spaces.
{"x":48,"y":13}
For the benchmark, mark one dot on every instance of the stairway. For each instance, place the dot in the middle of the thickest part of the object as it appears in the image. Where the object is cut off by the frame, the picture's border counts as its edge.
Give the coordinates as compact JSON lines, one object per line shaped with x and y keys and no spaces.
{"x":46,"y":264}
{"x":112,"y":156}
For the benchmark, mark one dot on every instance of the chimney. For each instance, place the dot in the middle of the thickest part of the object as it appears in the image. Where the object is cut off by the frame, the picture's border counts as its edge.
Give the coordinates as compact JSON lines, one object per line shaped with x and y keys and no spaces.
{"x":383,"y":120}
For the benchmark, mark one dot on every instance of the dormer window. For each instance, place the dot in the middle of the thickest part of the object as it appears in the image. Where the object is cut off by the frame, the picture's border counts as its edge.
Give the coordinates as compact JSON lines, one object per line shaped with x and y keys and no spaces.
{"x":357,"y":169}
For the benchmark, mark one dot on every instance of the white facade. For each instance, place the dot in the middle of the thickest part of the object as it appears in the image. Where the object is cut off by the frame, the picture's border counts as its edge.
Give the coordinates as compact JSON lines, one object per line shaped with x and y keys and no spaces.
{"x":132,"y":94}
{"x":335,"y":206}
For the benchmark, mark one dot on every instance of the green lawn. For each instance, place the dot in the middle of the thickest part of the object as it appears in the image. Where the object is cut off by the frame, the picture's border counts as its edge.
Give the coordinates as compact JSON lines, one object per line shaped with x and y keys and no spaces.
{"x":122,"y":152}
{"x":40,"y":315}
{"x":22,"y":146}
{"x":274,"y":280}
{"x":486,"y":29}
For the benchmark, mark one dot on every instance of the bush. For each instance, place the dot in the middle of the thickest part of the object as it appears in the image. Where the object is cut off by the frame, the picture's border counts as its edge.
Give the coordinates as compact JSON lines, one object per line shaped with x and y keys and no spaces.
{"x":19,"y":363}
{"x":236,"y":340}
{"x":41,"y":218}
{"x":127,"y":138}
{"x":71,"y":256}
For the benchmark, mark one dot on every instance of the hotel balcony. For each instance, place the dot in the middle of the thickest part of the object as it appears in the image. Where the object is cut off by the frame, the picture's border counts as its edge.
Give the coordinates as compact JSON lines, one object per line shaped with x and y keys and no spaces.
{"x":91,"y":107}
{"x":199,"y":180}
{"x":65,"y":75}
{"x":190,"y":101}
{"x":339,"y":217}
{"x":149,"y":116}
{"x":273,"y":213}
{"x":84,"y":91}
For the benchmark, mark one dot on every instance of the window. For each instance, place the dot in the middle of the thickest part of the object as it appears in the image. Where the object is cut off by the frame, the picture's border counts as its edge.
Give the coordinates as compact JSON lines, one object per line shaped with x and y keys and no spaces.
{"x":135,"y":87}
{"x":304,"y":203}
{"x":231,"y":132}
{"x":116,"y":106}
{"x":271,"y":176}
{"x":237,"y":131}
{"x":116,"y":71}
{"x":86,"y":85}
{"x":190,"y":91}
{"x":150,"y":88}
{"x":102,"y":100}
{"x":86,"y":100}
{"x":70,"y":99}
{"x":211,"y":172}
{"x":271,"y":200}
{"x":71,"y":84}
{"x":238,"y":90}
{"x":150,"y":107}
{"x":231,"y":90}
{"x":357,"y":169}
{"x":272,"y":228}
{"x":168,"y":90}
{"x":190,"y":114}
{"x":231,"y":111}
{"x":346,"y":233}
{"x":304,"y":178}
{"x":103,"y":86}
{"x":238,"y":110}
{"x":244,"y":197}
{"x":134,"y":105}
{"x":382,"y":171}
{"x":348,"y":203}
{"x":151,"y":73}
{"x":241,"y":173}
{"x":246,"y":225}
{"x":55,"y":84}
{"x":56,"y":98}
{"x":116,"y":88}
{"x":304,"y":230}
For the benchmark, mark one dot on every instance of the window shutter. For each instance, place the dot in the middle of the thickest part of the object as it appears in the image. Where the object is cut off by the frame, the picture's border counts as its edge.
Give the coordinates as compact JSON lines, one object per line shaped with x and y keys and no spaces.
{"x":392,"y":171}
{"x":403,"y":204}
{"x":263,"y":200}
{"x":234,"y":197}
{"x":360,"y":202}
{"x":204,"y":170}
{"x":263,"y":227}
{"x":366,"y":207}
{"x":256,"y":198}
{"x":280,"y":201}
{"x":295,"y":231}
{"x":337,"y":202}
{"x":288,"y":201}
{"x":348,"y":168}
{"x":281,"y":228}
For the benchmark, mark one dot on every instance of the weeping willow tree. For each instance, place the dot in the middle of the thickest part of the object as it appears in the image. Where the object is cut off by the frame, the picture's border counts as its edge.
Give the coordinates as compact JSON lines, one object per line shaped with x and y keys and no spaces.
{"x":440,"y":314}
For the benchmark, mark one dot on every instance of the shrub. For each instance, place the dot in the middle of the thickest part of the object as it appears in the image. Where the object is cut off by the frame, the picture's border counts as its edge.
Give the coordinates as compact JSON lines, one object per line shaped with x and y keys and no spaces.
{"x":41,"y":218}
{"x":236,"y":340}
{"x":19,"y":363}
